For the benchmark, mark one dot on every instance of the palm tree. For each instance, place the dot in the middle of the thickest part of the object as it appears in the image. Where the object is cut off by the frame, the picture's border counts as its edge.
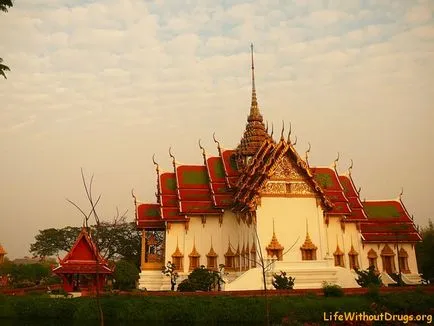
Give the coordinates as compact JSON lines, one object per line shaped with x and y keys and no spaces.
{"x":3,"y":68}
{"x":4,"y":4}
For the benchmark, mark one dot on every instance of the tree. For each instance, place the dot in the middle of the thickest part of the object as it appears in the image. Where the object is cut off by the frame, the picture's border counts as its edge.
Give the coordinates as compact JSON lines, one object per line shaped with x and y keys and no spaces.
{"x":369,"y":277}
{"x":200,"y":279}
{"x":4,"y":5}
{"x":283,"y":282}
{"x":115,"y":241}
{"x":424,"y":252}
{"x":170,"y":270}
{"x":125,"y":275}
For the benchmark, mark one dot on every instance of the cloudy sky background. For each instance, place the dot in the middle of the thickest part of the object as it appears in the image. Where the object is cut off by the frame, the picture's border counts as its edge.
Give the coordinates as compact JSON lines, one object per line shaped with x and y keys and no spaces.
{"x":105,"y":84}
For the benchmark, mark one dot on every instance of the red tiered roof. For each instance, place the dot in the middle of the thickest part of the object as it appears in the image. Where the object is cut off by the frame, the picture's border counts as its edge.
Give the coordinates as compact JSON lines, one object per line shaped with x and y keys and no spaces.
{"x":357,"y":212}
{"x":83,"y":258}
{"x":388,"y":221}
{"x":328,"y":179}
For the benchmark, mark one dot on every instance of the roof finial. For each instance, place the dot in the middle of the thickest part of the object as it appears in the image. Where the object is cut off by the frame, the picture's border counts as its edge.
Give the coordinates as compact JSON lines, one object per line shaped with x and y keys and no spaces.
{"x":266,"y":126}
{"x":203,"y":150}
{"x":335,"y":162}
{"x":171,"y":155}
{"x":254,"y":109}
{"x":295,"y":142}
{"x":402,"y":192}
{"x":350,"y":168}
{"x":155,"y":163}
{"x":306,"y":154}
{"x":272,"y":130}
{"x":283,"y":130}
{"x":216,"y":141}
{"x":289,"y":133}
{"x":135,"y":205}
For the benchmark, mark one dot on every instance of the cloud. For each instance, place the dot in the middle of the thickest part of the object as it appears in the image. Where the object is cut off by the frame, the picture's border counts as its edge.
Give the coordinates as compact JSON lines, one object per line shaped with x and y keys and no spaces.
{"x":133,"y":77}
{"x":419,"y":14}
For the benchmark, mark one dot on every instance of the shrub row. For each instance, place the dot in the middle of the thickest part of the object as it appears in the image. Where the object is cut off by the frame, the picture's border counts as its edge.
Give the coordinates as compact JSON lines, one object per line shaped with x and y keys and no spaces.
{"x":214,"y":310}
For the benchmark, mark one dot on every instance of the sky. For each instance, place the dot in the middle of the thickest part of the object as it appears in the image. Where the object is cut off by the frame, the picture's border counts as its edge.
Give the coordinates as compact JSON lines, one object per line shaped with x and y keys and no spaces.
{"x":103,"y":85}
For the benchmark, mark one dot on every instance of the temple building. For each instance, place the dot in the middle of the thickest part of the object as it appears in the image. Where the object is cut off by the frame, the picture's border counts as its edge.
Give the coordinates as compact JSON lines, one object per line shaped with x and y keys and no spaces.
{"x":262,"y":199}
{"x":83,"y":268}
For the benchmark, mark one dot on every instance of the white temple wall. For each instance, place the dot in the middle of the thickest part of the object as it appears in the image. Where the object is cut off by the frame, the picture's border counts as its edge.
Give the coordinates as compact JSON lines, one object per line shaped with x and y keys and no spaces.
{"x":378,"y":247}
{"x":200,"y":234}
{"x":290,"y":216}
{"x":345,"y":237}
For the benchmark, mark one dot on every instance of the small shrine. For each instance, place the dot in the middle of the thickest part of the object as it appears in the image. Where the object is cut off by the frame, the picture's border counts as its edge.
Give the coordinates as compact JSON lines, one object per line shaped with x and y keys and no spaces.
{"x":83,"y":268}
{"x":2,"y":254}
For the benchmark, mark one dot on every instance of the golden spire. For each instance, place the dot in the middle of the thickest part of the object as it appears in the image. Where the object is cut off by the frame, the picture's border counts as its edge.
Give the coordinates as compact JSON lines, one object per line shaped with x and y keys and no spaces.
{"x":308,"y":244}
{"x":194,"y":252}
{"x":254,"y":108}
{"x":211,"y":252}
{"x":177,"y":252}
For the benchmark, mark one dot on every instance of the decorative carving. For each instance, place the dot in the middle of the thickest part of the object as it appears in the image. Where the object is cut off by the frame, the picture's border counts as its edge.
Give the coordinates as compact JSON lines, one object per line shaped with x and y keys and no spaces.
{"x":285,"y":170}
{"x":275,"y":188}
{"x":301,"y":188}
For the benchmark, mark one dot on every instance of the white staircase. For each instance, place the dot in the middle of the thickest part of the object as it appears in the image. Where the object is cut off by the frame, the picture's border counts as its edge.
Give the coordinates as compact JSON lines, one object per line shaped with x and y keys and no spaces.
{"x":411,"y":279}
{"x":308,"y":275}
{"x":387,"y":279}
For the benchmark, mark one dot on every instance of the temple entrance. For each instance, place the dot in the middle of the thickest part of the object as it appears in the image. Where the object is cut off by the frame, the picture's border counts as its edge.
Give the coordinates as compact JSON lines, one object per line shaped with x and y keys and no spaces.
{"x":388,"y":259}
{"x":388,"y":264}
{"x":153,"y":249}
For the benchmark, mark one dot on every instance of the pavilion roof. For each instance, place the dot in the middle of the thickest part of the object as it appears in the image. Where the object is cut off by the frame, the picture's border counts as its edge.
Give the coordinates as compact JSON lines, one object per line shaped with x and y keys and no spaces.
{"x":83,"y":257}
{"x":2,"y":250}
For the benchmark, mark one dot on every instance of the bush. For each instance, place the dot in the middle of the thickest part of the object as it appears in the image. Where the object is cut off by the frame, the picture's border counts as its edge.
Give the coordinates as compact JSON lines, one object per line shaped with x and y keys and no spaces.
{"x":125,"y":275}
{"x":332,"y":290}
{"x":283,"y":282}
{"x":201,"y":279}
{"x":186,"y":286}
{"x":397,"y":278}
{"x":368,"y":277}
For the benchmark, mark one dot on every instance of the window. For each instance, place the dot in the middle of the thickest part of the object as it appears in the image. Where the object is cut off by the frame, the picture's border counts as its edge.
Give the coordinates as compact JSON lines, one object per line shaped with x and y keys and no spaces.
{"x":194,"y":259}
{"x":211,"y":259}
{"x":177,"y":259}
{"x":372,"y":259}
{"x":403,"y":261}
{"x":229,"y":259}
{"x":308,"y":249}
{"x":339,"y":257}
{"x":353,"y":256}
